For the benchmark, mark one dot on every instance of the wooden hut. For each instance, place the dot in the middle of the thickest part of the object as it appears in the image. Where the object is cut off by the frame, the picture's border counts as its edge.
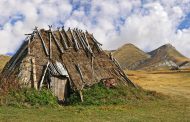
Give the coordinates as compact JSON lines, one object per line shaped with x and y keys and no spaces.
{"x":61,"y":61}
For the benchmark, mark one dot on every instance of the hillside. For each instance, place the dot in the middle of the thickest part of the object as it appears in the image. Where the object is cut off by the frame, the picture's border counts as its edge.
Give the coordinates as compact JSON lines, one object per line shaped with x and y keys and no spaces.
{"x":130,"y":56}
{"x":3,"y":60}
{"x":164,"y":57}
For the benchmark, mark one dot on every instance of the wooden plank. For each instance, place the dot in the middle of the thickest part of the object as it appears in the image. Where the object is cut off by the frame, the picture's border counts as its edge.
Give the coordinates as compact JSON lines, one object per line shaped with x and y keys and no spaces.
{"x":122,"y":73}
{"x":29,"y":40}
{"x":81,"y":96}
{"x":34,"y":79}
{"x":56,"y":42}
{"x":63,"y":40}
{"x":43,"y":43}
{"x":17,"y":56}
{"x":50,"y":46}
{"x":86,"y":40}
{"x":74,"y":40}
{"x":80,"y":72}
{"x":43,"y":76}
{"x":69,"y":40}
{"x":80,"y":39}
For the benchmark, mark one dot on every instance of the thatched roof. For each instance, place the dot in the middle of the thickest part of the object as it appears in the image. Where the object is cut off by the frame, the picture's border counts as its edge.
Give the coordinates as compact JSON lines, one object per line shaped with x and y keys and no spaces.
{"x":74,"y":53}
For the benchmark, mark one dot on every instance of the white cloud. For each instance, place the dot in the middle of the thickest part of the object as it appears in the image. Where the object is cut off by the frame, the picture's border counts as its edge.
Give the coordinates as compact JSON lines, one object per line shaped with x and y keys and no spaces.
{"x":147,"y":24}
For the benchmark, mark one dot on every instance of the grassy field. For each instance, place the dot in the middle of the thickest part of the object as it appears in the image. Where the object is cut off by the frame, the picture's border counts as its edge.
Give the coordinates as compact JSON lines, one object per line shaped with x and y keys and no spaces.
{"x":175,"y":108}
{"x":175,"y":83}
{"x":137,"y":111}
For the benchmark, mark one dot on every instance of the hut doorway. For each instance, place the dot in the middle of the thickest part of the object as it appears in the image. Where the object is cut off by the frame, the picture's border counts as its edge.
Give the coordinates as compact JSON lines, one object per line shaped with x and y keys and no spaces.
{"x":59,"y":80}
{"x":59,"y":86}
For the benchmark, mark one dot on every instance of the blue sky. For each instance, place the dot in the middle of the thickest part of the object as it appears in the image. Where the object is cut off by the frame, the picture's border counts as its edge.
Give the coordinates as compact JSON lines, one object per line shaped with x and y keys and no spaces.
{"x":146,"y":23}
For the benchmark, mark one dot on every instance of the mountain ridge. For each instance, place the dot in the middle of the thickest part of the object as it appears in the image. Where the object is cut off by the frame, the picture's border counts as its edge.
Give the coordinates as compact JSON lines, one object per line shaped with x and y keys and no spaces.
{"x":163,"y":57}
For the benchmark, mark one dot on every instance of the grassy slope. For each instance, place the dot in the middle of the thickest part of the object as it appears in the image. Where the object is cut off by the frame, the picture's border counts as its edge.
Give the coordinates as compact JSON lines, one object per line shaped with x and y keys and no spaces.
{"x":129,"y":54}
{"x":176,"y":84}
{"x":173,"y":109}
{"x":168,"y":82}
{"x":3,"y":60}
{"x":147,"y":111}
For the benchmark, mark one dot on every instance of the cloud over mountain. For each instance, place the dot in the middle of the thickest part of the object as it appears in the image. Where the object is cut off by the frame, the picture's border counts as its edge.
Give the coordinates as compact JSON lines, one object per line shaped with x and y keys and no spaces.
{"x":145,"y":23}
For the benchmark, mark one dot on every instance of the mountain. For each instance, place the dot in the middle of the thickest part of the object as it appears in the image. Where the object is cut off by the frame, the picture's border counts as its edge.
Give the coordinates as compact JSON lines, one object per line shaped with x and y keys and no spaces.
{"x":129,"y":56}
{"x":3,"y":60}
{"x":164,"y":57}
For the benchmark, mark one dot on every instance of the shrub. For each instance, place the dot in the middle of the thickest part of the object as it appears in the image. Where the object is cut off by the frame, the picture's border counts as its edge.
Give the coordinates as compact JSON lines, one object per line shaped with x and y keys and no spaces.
{"x":100,"y":95}
{"x":29,"y":97}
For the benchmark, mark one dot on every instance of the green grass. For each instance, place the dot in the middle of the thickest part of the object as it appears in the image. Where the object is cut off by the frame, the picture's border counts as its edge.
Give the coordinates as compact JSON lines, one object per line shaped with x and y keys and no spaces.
{"x":161,"y":110}
{"x":100,"y":95}
{"x":100,"y":105}
{"x":28,"y":98}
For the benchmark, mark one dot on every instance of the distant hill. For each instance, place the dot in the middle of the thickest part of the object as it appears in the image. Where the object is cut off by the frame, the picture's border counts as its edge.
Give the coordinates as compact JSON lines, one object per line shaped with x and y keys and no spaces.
{"x":129,"y":56}
{"x":164,"y":57}
{"x":3,"y":60}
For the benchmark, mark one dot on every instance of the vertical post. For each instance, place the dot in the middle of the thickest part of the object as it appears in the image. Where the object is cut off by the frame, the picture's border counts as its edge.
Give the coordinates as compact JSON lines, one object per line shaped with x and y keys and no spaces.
{"x":81,"y":96}
{"x":29,"y":45}
{"x":50,"y":46}
{"x":34,"y":82}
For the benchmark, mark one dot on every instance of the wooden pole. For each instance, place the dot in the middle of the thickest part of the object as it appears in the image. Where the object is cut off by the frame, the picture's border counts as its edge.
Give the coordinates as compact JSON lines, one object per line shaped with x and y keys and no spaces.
{"x":56,"y":42}
{"x":43,"y":43}
{"x":34,"y":84}
{"x":81,"y":96}
{"x":63,"y":39}
{"x":43,"y":76}
{"x":50,"y":46}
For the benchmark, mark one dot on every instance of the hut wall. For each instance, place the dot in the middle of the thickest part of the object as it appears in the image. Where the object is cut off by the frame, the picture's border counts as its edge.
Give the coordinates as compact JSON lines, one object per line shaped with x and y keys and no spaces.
{"x":25,"y":70}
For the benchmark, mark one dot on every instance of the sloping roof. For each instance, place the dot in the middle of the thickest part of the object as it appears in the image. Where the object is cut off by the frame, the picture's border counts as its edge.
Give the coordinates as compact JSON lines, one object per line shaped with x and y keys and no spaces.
{"x":72,"y":53}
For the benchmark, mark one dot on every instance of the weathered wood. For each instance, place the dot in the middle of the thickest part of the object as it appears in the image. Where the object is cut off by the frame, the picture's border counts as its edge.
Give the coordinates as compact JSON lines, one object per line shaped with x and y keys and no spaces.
{"x":111,"y":56}
{"x":63,"y":40}
{"x":17,"y":56}
{"x":80,"y":39}
{"x":74,"y":40}
{"x":92,"y":66}
{"x":43,"y":75}
{"x":34,"y":79}
{"x":43,"y":43}
{"x":97,"y":45}
{"x":88,"y":46}
{"x":81,"y":96}
{"x":80,"y":72}
{"x":50,"y":46}
{"x":56,"y":42}
{"x":29,"y":45}
{"x":122,"y":73}
{"x":66,"y":35}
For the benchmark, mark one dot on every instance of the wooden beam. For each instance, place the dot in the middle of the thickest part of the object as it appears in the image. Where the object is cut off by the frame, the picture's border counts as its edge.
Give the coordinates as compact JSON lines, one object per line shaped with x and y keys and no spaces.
{"x":50,"y":46}
{"x":43,"y":43}
{"x":34,"y":81}
{"x":29,"y":45}
{"x":74,"y":40}
{"x":63,"y":39}
{"x":43,"y":75}
{"x":68,"y":39}
{"x":81,"y":96}
{"x":56,"y":42}
{"x":80,"y":72}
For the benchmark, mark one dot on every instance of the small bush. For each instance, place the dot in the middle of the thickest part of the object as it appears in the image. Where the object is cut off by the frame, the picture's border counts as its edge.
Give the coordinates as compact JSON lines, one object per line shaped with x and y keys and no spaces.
{"x":29,"y":97}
